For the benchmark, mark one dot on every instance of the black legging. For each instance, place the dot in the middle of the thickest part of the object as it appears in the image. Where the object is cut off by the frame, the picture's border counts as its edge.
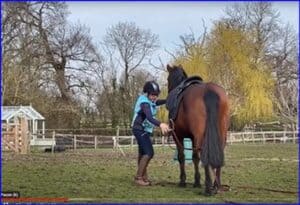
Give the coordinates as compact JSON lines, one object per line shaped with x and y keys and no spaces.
{"x":144,"y":142}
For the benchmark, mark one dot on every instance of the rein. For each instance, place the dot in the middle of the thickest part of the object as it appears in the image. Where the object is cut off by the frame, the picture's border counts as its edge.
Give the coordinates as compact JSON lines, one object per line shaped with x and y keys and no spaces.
{"x":172,"y":132}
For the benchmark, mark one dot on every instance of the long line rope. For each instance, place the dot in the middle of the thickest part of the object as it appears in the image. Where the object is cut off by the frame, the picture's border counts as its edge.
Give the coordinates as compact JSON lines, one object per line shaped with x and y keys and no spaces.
{"x":178,"y":143}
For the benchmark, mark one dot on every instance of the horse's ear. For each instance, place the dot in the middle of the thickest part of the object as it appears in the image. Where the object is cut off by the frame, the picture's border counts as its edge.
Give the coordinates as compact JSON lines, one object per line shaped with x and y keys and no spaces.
{"x":169,"y":68}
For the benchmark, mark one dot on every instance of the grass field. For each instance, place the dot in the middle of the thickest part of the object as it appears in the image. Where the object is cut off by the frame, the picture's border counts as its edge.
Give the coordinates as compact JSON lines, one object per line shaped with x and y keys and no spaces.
{"x":255,"y":173}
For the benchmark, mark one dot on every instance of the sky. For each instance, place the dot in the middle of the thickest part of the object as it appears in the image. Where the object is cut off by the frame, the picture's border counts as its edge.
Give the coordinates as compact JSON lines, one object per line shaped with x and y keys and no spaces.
{"x":167,"y":19}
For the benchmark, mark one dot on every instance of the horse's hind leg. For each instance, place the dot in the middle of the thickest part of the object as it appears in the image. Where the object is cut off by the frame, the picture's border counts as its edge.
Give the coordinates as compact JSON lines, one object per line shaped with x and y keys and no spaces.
{"x":196,"y":160}
{"x":217,"y":183}
{"x":209,"y":179}
{"x":181,"y":160}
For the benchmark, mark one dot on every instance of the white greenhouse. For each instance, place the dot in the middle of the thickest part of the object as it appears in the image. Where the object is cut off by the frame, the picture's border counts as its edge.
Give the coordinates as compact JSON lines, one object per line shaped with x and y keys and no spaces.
{"x":11,"y":115}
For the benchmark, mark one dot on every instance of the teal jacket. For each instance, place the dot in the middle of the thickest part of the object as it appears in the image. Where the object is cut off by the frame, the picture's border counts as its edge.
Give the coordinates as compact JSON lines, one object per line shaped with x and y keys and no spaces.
{"x":141,"y":119}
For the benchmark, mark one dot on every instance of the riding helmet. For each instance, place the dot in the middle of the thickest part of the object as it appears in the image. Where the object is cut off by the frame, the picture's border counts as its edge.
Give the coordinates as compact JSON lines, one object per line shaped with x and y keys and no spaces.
{"x":151,"y":87}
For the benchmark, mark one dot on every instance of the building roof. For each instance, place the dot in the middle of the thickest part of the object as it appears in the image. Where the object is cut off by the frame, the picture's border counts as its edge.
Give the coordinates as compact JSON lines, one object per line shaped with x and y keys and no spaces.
{"x":30,"y":113}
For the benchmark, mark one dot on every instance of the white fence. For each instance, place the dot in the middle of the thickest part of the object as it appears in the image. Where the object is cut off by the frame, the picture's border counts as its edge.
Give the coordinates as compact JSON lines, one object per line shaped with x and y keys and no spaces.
{"x":270,"y":136}
{"x":75,"y":141}
{"x":232,"y":137}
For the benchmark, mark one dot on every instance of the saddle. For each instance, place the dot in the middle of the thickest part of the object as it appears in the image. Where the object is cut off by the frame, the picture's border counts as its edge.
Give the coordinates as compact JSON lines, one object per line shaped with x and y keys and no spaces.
{"x":175,"y":96}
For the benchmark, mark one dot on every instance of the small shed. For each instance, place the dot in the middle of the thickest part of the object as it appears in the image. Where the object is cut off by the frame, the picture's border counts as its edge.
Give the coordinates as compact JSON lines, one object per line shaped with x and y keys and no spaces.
{"x":12,"y":114}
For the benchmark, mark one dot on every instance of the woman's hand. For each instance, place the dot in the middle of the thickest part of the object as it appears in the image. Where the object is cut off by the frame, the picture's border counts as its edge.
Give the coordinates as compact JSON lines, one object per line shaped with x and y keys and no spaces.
{"x":164,"y":128}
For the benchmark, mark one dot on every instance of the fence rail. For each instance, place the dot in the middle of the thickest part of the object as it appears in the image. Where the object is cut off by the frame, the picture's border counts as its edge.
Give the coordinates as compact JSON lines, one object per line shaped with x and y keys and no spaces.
{"x":268,"y":136}
{"x":75,"y":141}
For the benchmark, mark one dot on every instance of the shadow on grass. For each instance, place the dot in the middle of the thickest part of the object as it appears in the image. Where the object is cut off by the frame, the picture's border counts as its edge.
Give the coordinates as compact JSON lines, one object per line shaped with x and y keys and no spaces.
{"x":175,"y":185}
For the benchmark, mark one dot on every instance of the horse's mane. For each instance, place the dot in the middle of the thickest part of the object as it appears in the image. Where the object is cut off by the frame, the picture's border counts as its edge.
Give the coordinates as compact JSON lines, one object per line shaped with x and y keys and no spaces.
{"x":179,"y":71}
{"x":177,"y":75}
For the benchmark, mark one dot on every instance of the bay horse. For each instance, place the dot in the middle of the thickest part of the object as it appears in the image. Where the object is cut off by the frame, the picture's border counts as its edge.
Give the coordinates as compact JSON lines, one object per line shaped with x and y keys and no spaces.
{"x":203,"y":116}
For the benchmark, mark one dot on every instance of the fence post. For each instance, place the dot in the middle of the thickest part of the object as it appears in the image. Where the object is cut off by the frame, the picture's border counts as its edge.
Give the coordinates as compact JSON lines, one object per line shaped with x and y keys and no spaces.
{"x":114,"y":143}
{"x":252,"y":135}
{"x":117,"y":135}
{"x":75,"y":144}
{"x":17,"y":138}
{"x":118,"y":131}
{"x":294,"y":137}
{"x":24,"y":136}
{"x":273,"y":137}
{"x":264,"y":139}
{"x":53,"y":140}
{"x":96,"y":142}
{"x":243,"y":137}
{"x":131,"y":142}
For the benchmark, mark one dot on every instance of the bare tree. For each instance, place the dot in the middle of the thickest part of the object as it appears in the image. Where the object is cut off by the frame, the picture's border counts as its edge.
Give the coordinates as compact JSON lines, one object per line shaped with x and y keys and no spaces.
{"x":52,"y":52}
{"x":284,"y":63}
{"x":128,"y":46}
{"x":106,"y":90}
{"x":260,"y":20}
{"x":19,"y":63}
{"x":131,"y":46}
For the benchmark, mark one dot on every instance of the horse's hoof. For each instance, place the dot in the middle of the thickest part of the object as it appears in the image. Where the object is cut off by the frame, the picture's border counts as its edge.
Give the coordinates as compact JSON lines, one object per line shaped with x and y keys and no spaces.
{"x":210,"y":192}
{"x":223,"y":188}
{"x":182,"y":184}
{"x":197,"y":185}
{"x":207,"y":194}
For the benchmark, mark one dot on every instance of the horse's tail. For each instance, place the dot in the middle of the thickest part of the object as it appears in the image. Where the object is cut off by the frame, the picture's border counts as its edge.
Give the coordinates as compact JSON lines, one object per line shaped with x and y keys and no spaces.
{"x":212,"y":152}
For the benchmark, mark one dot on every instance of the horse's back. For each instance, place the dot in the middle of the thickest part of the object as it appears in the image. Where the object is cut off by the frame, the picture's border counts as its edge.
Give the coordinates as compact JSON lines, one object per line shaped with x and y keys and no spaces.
{"x":220,"y":91}
{"x":195,"y":103}
{"x":199,"y":90}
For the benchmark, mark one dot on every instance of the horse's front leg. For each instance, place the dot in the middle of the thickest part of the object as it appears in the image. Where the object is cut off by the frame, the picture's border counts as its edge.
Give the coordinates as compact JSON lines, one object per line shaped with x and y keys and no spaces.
{"x":181,"y":160}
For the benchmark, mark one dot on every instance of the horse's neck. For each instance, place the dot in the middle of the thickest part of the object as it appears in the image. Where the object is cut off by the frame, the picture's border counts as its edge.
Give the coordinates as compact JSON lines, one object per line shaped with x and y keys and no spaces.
{"x":178,"y":82}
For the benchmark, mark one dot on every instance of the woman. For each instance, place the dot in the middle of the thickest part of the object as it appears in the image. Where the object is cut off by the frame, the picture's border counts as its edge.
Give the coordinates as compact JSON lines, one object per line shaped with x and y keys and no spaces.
{"x":142,"y":127}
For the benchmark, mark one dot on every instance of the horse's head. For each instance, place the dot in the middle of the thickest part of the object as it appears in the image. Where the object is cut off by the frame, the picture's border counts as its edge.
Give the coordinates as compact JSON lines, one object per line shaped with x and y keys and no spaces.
{"x":176,"y":76}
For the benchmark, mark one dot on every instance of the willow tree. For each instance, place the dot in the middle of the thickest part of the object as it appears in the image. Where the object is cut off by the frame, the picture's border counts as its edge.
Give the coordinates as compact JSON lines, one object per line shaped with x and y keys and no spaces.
{"x":232,"y":64}
{"x":193,"y":55}
{"x":163,"y":114}
{"x":228,"y":57}
{"x":276,"y":44}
